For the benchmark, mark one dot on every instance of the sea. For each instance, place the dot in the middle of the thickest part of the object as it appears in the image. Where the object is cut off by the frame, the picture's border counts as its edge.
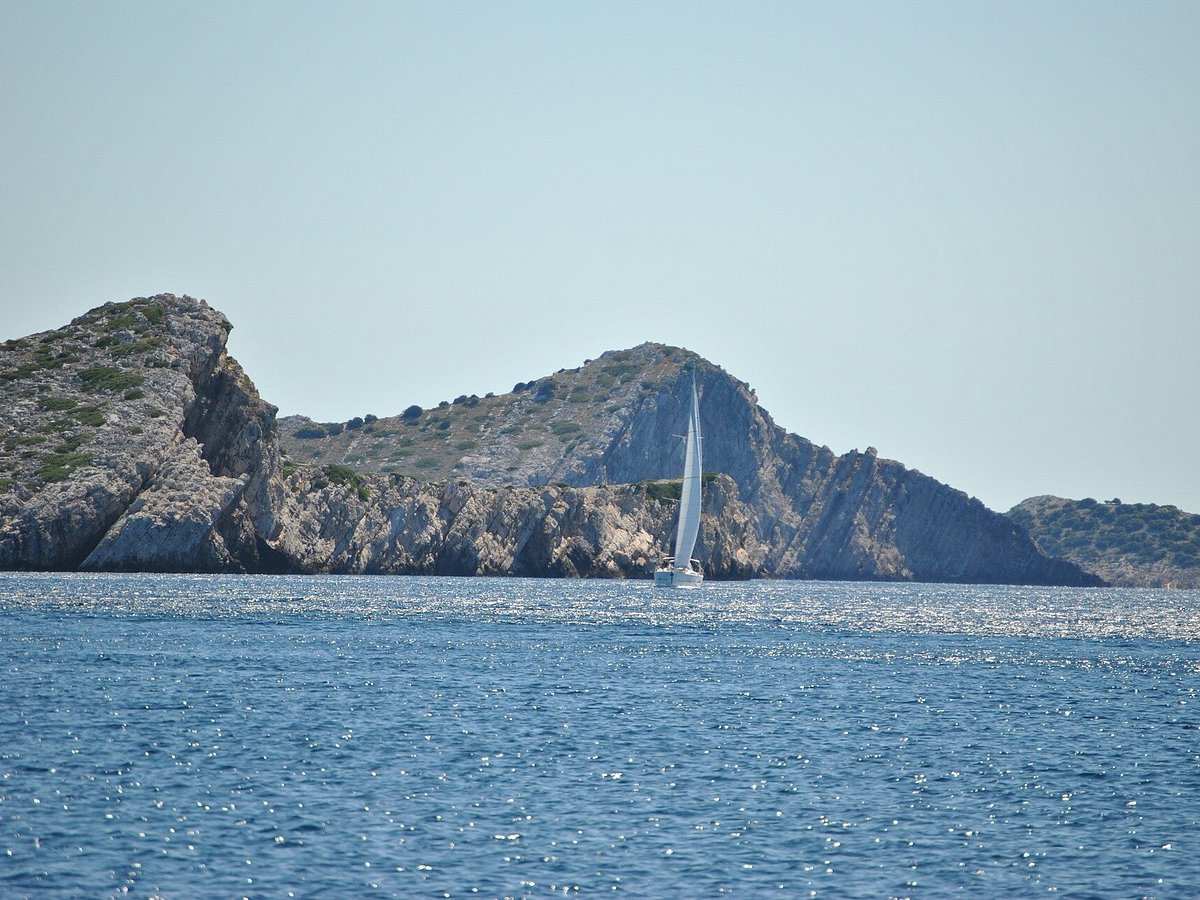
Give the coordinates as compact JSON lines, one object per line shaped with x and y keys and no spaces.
{"x":341,"y":736}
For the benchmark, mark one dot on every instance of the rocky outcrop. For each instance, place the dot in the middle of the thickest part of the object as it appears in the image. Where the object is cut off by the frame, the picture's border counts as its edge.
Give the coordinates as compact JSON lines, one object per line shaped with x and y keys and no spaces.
{"x":173,"y":524}
{"x":103,"y":407}
{"x":132,"y":441}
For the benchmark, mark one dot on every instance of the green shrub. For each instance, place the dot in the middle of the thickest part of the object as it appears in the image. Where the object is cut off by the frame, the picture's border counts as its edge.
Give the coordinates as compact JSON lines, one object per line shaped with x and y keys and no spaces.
{"x":134,"y":347}
{"x":27,"y":369}
{"x":89,"y":415}
{"x":561,"y":428}
{"x":466,"y":445}
{"x":663,"y":491}
{"x":109,"y":378}
{"x":154,"y":313}
{"x":133,"y":394}
{"x":122,"y":322}
{"x":59,"y":466}
{"x":345,"y":475}
{"x":73,"y":443}
{"x":619,"y":371}
{"x":529,"y":444}
{"x":58,"y":403}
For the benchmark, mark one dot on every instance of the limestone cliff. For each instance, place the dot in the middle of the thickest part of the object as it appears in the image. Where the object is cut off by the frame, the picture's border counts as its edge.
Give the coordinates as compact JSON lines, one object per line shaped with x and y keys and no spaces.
{"x":132,"y":441}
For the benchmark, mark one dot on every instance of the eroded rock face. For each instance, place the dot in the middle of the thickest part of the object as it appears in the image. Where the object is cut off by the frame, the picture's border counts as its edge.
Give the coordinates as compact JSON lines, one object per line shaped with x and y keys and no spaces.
{"x":132,"y":441}
{"x":172,"y":525}
{"x":102,"y":405}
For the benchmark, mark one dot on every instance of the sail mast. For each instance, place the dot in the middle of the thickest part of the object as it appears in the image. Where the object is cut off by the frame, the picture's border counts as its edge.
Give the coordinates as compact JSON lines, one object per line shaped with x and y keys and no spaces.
{"x":689,"y":500}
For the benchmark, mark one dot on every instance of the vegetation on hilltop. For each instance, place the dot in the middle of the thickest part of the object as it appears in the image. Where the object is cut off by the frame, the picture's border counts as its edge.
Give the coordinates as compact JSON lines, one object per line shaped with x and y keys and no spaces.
{"x":497,"y":437}
{"x":1137,"y":544}
{"x":101,"y":358}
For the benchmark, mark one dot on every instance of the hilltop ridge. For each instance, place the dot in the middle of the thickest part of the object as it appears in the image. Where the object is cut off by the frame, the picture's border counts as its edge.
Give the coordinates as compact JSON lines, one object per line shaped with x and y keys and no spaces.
{"x":552,"y":428}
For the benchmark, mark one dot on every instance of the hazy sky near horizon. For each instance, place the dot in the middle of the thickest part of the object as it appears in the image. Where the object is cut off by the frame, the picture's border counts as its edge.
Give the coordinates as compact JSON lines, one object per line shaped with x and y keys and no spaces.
{"x":965,"y":233}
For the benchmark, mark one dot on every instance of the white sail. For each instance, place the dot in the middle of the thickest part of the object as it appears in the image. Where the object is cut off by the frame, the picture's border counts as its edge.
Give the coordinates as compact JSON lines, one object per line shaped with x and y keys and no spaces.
{"x":689,"y":501}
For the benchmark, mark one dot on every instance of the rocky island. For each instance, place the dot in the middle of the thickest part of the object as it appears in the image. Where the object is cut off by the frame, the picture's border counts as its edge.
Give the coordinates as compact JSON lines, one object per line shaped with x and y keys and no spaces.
{"x":132,"y":441}
{"x":1127,"y":544}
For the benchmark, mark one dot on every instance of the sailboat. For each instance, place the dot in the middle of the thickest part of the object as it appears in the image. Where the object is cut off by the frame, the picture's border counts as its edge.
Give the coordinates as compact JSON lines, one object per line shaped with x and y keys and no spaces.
{"x":681,"y":570}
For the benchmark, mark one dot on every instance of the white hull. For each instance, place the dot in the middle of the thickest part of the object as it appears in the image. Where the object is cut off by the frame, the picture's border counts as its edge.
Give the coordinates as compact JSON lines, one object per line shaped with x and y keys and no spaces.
{"x":678,"y":577}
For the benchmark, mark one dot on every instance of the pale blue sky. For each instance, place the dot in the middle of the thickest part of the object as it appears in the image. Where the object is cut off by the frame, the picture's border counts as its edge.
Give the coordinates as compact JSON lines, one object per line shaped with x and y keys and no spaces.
{"x":965,"y":233}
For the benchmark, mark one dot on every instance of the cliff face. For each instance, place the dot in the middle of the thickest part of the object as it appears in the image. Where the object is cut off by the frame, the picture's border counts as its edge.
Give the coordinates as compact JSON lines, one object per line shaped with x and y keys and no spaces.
{"x":132,"y":441}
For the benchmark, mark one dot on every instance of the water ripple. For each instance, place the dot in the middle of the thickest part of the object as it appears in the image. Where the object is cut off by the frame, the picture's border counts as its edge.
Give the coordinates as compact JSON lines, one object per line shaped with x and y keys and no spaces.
{"x":167,"y":735}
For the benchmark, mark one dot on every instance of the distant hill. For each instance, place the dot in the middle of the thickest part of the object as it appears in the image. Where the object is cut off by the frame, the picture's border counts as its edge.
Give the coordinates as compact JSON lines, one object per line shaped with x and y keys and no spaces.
{"x":1130,"y":544}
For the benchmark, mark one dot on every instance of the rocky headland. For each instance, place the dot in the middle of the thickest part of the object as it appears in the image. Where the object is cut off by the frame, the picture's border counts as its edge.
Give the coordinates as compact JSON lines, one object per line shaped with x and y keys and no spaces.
{"x":132,"y":441}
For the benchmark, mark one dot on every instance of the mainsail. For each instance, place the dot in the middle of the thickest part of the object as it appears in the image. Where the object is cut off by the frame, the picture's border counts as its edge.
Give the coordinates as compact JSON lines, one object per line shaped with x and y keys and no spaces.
{"x":689,"y":501}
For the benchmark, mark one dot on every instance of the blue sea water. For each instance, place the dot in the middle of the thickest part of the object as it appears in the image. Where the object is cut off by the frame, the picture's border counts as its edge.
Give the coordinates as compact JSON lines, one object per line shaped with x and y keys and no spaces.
{"x":416,"y":737}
